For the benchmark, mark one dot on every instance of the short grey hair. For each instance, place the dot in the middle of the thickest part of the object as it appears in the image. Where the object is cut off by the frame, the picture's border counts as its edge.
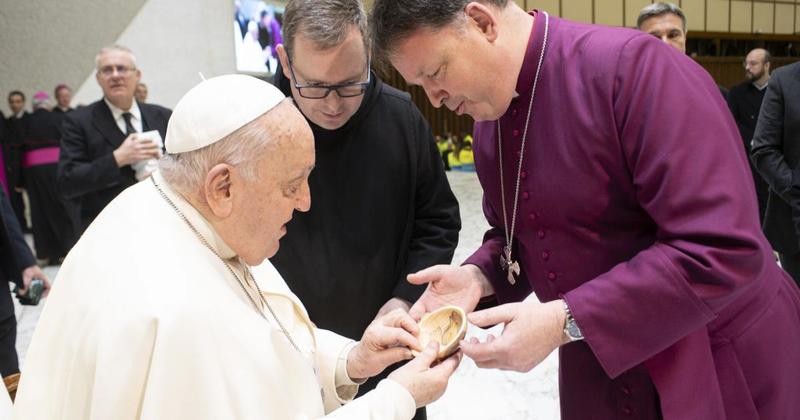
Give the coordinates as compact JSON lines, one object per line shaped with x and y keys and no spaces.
{"x":111,"y":48}
{"x":186,"y":172}
{"x":658,"y":9}
{"x":325,"y":22}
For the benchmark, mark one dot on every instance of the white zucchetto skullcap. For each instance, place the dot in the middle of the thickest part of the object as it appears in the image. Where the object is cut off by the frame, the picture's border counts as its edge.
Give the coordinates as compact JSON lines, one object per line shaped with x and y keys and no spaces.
{"x":217,"y":107}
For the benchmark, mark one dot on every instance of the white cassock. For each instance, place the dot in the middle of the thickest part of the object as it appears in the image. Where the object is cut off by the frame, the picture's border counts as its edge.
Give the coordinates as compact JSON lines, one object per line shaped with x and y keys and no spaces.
{"x":5,"y":405}
{"x":144,"y":322}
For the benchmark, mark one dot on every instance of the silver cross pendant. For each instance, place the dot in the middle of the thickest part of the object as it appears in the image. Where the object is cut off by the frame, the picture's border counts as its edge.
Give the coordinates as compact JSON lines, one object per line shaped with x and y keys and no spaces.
{"x":507,"y":264}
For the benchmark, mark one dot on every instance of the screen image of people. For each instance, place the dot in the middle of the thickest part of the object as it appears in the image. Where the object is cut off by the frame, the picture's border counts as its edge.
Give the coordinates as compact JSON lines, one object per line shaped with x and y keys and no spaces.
{"x":257,"y":31}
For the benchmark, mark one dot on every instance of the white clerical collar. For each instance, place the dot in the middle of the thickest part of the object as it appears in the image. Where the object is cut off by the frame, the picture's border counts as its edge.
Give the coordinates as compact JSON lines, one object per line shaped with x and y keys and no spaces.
{"x":197,"y":220}
{"x":117,"y":112}
{"x":761,"y":87}
{"x":20,"y":114}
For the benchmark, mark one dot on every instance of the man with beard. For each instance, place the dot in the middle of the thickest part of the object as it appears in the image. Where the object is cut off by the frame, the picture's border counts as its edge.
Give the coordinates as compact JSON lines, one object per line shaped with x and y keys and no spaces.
{"x":744,"y":100}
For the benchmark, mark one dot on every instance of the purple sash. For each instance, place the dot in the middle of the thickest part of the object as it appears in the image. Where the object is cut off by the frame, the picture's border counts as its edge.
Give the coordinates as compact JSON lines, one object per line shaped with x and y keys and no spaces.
{"x":42,"y":156}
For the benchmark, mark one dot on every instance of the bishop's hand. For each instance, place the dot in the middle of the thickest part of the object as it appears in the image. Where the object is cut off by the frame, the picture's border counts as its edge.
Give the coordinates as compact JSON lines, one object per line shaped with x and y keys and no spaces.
{"x":387,"y":340}
{"x":532,"y":331}
{"x":449,"y":285}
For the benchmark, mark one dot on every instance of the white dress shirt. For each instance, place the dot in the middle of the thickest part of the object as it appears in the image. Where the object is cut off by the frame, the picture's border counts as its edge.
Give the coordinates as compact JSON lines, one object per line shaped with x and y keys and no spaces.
{"x":136,"y":116}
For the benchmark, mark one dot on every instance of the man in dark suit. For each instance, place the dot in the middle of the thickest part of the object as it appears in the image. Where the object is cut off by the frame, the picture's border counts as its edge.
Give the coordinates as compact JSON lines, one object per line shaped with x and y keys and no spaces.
{"x":99,"y":142}
{"x":63,"y":99}
{"x":17,"y":265}
{"x":776,"y":153}
{"x":11,"y":150}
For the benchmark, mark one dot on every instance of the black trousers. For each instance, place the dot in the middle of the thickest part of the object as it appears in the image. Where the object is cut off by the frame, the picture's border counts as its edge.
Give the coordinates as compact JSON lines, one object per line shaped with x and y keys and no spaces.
{"x":18,"y":205}
{"x":791,"y":264}
{"x":9,"y":364}
{"x":53,"y":229}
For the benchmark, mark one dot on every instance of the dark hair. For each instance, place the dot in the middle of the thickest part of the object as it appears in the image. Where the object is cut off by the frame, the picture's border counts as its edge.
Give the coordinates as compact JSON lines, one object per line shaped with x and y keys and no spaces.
{"x":392,"y":21}
{"x":59,"y":87}
{"x":16,"y":92}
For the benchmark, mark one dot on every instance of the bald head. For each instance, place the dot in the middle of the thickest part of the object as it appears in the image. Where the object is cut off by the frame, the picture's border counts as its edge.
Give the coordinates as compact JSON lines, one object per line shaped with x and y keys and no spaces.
{"x":757,"y":66}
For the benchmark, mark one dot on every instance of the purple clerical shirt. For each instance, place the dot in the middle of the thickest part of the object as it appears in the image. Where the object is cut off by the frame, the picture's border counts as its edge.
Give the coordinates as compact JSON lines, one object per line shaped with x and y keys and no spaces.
{"x":636,"y":206}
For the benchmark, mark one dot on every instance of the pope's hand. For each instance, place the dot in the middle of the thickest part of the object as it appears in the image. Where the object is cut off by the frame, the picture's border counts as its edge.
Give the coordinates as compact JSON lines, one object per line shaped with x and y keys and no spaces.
{"x":532,"y":331}
{"x":449,"y":285}
{"x":426,"y":383}
{"x":387,"y":340}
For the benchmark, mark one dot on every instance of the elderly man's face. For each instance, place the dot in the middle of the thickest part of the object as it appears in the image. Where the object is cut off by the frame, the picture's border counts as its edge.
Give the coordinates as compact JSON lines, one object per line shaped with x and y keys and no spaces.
{"x":16,"y":103}
{"x":345,"y":63}
{"x":458,"y":68}
{"x":668,"y":28}
{"x":64,"y":97}
{"x":118,"y":76}
{"x":265,"y":205}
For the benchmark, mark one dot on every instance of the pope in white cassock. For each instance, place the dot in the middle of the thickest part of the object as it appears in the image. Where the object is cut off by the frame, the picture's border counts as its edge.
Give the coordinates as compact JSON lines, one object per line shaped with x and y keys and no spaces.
{"x":168,"y":309}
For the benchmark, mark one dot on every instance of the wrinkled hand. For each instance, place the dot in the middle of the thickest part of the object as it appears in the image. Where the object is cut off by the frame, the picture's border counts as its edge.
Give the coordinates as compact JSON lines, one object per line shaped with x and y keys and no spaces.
{"x":426,"y":383}
{"x":133,"y":150}
{"x":30,"y":273}
{"x":392,"y":304}
{"x":386,"y":341}
{"x":532,"y":331}
{"x":449,"y":285}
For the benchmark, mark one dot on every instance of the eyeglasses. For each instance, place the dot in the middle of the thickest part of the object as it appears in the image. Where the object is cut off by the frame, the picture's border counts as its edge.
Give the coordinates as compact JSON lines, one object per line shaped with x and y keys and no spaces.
{"x":750,"y":63}
{"x":121,"y":70}
{"x":344,"y":90}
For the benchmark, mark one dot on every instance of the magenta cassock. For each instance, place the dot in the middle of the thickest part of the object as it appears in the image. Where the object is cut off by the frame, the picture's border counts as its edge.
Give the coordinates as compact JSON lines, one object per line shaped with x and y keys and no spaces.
{"x":637,"y":207}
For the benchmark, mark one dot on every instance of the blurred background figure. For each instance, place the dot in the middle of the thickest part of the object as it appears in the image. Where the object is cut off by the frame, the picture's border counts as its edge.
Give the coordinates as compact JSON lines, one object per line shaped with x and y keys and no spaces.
{"x":269,"y":36}
{"x":667,"y":22}
{"x":11,"y":149}
{"x":52,"y":226}
{"x":141,"y":93}
{"x":63,"y":96}
{"x":744,"y":100}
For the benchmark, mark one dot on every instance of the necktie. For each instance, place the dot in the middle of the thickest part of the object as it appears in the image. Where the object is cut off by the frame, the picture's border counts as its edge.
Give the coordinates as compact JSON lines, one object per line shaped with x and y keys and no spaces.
{"x":128,"y":125}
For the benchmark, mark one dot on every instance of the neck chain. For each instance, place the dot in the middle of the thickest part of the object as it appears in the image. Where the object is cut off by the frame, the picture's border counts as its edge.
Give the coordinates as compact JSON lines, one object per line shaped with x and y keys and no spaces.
{"x":506,"y":262}
{"x":245,"y":270}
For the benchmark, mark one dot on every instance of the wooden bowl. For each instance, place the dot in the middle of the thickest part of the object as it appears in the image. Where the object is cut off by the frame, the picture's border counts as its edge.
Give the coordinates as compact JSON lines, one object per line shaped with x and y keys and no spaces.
{"x":447,"y":326}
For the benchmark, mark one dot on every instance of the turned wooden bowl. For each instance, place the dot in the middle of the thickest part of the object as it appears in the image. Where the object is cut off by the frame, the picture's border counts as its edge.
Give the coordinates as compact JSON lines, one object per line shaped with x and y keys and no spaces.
{"x":446,"y":326}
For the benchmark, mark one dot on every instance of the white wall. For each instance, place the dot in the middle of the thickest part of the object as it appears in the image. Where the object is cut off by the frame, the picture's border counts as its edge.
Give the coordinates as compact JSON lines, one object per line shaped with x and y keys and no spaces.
{"x":43,"y":43}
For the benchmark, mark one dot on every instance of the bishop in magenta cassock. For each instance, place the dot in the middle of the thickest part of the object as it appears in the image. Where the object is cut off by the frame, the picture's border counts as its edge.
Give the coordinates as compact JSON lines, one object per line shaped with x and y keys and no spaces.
{"x":612,"y":169}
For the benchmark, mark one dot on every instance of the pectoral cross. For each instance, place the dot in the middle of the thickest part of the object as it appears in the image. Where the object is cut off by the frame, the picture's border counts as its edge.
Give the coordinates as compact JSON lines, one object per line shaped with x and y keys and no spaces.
{"x":506,"y":263}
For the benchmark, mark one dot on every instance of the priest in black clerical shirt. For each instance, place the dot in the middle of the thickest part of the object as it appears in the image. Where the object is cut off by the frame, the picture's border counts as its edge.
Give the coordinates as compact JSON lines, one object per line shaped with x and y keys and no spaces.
{"x":744,"y":100}
{"x":381,"y":205}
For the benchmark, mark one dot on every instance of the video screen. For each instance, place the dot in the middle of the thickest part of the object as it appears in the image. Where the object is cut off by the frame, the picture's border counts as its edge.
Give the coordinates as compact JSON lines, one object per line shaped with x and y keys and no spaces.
{"x":257,"y":30}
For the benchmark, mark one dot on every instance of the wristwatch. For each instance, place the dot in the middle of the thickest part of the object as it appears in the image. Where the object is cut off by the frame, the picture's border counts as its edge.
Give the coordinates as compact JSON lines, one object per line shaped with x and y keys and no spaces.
{"x":571,"y":329}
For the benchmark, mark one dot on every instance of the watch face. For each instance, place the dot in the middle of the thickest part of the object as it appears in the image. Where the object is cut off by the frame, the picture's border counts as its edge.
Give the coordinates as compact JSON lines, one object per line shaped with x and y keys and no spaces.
{"x":573,"y":331}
